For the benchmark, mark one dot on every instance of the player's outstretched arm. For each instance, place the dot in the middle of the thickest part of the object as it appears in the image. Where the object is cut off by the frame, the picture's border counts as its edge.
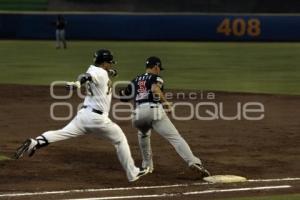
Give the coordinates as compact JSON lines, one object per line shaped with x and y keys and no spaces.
{"x":125,"y":94}
{"x":82,"y":78}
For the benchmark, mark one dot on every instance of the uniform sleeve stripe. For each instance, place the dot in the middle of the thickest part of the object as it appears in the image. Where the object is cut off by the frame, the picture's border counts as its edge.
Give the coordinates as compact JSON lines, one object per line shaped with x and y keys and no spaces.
{"x":158,"y":79}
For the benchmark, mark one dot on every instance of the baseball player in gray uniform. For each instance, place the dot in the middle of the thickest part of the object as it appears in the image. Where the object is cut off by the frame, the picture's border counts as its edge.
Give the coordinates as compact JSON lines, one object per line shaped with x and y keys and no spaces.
{"x":93,"y":117}
{"x":147,"y":91}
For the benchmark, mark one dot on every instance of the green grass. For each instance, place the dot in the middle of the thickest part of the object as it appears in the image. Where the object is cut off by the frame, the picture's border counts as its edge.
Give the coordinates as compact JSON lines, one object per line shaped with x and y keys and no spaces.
{"x":277,"y":197}
{"x":23,"y":5}
{"x":4,"y":158}
{"x":245,"y":67}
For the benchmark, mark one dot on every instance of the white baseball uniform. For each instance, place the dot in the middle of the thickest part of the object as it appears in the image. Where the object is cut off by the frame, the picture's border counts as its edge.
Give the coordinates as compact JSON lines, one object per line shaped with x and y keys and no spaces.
{"x":88,"y":121}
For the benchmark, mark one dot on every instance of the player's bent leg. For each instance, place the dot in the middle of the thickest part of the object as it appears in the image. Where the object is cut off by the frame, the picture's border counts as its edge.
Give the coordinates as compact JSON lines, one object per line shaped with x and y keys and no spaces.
{"x":73,"y":129}
{"x":166,"y":129}
{"x":146,"y":150}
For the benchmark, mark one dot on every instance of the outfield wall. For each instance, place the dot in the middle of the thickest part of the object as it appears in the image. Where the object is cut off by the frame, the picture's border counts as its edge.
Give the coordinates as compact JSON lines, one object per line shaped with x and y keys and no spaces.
{"x":201,"y":27}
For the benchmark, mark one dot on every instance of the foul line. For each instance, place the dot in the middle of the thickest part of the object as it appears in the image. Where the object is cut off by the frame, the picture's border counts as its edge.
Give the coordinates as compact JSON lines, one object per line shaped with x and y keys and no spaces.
{"x":130,"y":188}
{"x":187,"y":193}
{"x":99,"y":190}
{"x":273,"y":180}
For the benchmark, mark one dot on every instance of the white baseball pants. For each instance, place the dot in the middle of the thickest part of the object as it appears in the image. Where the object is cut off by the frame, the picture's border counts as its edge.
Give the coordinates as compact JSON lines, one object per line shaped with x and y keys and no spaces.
{"x":87,"y":121}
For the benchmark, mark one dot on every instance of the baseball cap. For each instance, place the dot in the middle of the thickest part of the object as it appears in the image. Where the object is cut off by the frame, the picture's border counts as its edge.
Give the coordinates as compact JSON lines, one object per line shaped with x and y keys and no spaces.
{"x":152,"y":61}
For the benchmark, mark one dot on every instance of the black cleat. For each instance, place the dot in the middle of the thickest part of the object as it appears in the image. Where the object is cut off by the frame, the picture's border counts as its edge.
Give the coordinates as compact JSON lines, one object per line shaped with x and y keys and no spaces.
{"x":28,"y":146}
{"x":143,"y":172}
{"x":200,"y":169}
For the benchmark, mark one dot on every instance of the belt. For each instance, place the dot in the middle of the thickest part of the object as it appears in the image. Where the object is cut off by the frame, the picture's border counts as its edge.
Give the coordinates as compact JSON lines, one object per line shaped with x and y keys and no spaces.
{"x":151,"y":104}
{"x":94,"y":110}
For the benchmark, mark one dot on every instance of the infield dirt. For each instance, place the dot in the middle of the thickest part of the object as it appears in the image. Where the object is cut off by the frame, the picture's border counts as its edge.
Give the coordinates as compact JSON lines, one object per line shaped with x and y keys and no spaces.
{"x":267,"y":148}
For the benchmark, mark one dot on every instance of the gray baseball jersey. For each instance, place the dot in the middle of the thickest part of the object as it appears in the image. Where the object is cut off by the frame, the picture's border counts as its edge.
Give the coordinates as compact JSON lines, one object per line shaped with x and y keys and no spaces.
{"x":149,"y":114}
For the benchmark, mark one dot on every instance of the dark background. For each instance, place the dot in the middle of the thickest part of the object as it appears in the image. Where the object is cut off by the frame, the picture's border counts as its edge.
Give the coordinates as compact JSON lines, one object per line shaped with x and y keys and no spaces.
{"x":203,"y":6}
{"x":207,"y":6}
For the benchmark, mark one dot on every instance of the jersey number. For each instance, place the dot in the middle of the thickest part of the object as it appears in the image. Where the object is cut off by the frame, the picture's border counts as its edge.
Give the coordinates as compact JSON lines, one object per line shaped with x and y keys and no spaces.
{"x":142,"y":87}
{"x":142,"y":91}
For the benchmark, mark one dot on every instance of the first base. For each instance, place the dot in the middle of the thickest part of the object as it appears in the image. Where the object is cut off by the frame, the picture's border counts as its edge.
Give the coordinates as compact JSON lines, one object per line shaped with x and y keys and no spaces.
{"x":224,"y":179}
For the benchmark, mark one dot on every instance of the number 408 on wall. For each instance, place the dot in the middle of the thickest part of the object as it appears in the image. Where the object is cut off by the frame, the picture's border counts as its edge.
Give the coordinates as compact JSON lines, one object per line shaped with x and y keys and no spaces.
{"x":240,"y":27}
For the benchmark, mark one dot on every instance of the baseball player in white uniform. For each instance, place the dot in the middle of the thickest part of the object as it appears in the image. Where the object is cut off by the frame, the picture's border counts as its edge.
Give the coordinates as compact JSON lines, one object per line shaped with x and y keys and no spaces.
{"x":93,"y":117}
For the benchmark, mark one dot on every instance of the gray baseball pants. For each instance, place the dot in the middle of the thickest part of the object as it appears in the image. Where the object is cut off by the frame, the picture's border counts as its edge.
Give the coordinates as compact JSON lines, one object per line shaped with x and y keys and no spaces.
{"x":149,"y":116}
{"x":60,"y":38}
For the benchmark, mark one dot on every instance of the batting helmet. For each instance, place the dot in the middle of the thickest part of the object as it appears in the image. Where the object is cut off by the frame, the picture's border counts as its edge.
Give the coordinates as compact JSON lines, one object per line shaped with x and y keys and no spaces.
{"x":152,"y":61}
{"x":103,"y":55}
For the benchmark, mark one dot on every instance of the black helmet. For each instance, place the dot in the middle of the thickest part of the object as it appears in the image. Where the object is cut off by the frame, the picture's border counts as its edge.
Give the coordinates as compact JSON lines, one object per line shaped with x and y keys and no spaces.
{"x":152,"y":61}
{"x":103,"y":55}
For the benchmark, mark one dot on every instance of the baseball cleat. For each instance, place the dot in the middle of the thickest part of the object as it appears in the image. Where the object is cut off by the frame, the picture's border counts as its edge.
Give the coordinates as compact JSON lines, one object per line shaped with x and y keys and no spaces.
{"x":200,"y":169}
{"x":28,"y":146}
{"x":151,"y":170}
{"x":143,"y":172}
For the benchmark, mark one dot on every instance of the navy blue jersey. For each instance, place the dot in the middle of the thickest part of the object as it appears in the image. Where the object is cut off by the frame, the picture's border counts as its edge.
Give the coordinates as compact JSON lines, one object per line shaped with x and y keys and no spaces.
{"x":142,"y":88}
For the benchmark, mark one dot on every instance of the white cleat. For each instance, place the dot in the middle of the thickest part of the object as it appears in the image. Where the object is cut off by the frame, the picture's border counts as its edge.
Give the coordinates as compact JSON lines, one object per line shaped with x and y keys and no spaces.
{"x":143,"y":172}
{"x":151,"y":169}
